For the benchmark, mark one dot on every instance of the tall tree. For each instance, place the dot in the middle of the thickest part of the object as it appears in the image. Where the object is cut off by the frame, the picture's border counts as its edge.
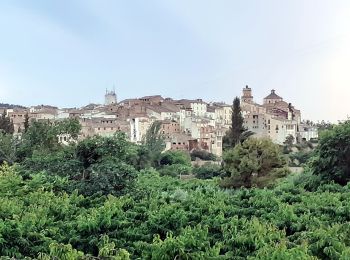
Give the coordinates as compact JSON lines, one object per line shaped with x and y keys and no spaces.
{"x":6,"y":123}
{"x":237,"y":132}
{"x":332,"y":155}
{"x":26,"y":122}
{"x":8,"y":146}
{"x":154,"y":142}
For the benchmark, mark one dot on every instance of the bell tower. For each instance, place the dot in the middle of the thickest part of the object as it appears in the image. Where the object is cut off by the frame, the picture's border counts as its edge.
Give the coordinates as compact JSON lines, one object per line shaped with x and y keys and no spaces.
{"x":247,"y":95}
{"x":110,"y":97}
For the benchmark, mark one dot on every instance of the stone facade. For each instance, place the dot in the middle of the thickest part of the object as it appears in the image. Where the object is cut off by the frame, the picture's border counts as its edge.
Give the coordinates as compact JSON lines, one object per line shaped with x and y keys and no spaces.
{"x":275,"y":119}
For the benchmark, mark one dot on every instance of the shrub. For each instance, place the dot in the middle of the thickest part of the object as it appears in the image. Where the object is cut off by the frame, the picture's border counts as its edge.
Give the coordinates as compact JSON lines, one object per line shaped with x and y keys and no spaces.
{"x":207,"y":171}
{"x":174,"y":157}
{"x":175,"y":170}
{"x":299,"y":158}
{"x":203,"y":155}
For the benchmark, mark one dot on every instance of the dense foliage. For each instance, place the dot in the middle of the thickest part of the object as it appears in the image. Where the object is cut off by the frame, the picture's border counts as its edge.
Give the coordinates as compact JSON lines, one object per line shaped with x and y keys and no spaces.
{"x":202,"y":155}
{"x":254,"y":163}
{"x":6,"y":125}
{"x":94,"y":199}
{"x":332,"y":159}
{"x":153,"y":144}
{"x":174,"y":163}
{"x":208,"y":171}
{"x":165,"y":218}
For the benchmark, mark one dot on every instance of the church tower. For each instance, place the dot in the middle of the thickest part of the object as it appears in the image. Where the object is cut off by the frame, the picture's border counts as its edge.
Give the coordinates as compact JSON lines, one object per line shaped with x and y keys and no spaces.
{"x":247,"y":95}
{"x":110,"y":97}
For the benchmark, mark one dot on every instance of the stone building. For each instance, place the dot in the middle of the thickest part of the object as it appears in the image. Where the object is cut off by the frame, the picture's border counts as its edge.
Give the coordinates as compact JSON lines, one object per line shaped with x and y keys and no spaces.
{"x":110,"y":97}
{"x":275,"y":118}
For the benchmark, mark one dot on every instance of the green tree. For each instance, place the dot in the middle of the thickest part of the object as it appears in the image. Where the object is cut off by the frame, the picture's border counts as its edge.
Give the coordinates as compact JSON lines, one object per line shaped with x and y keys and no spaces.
{"x":255,"y":162}
{"x":332,"y":155}
{"x":107,"y":167}
{"x":8,"y":148}
{"x":207,"y":171}
{"x":289,"y":141}
{"x":237,"y":132}
{"x":39,"y":136}
{"x":61,"y":162}
{"x":26,"y":122}
{"x":109,"y":176}
{"x":154,"y":142}
{"x":93,"y":149}
{"x":6,"y":124}
{"x":43,"y":136}
{"x":175,"y":170}
{"x":70,"y":126}
{"x":175,"y":157}
{"x":203,"y":155}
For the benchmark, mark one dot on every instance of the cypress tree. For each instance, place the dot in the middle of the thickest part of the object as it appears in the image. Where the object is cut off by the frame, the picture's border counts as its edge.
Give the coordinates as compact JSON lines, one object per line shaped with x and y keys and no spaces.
{"x":237,"y":120}
{"x":26,"y":122}
{"x":237,"y":132}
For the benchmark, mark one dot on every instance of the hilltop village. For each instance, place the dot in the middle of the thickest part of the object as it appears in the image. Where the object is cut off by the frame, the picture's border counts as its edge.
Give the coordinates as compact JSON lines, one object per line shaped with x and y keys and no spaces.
{"x":186,"y":124}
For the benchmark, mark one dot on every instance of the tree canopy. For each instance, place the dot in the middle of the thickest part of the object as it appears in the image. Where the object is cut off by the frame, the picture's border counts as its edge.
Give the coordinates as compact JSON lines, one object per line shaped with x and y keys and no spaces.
{"x":255,"y":162}
{"x":332,"y":157}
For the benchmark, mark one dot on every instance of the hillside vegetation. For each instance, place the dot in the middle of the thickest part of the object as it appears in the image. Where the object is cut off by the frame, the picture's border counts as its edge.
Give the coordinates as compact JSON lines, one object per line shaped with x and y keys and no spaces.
{"x":106,"y":198}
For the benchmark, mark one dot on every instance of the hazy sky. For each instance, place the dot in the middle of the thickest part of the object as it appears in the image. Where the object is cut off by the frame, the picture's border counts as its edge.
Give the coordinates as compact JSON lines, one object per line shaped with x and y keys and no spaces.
{"x":67,"y":52}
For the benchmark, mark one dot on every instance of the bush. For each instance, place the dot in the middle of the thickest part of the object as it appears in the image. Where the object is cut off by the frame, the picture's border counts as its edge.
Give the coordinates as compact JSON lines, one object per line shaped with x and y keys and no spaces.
{"x":175,"y":170}
{"x":298,"y":158}
{"x":308,"y":181}
{"x":110,"y":176}
{"x":203,"y":155}
{"x":174,"y":157}
{"x":207,"y":171}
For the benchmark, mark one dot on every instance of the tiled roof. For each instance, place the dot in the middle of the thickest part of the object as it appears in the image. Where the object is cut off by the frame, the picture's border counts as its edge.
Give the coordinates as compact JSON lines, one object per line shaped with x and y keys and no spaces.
{"x":273,"y":95}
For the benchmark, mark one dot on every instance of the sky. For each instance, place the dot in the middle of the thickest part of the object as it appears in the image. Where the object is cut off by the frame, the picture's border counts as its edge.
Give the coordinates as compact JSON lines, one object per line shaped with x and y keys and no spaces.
{"x":67,"y":52}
